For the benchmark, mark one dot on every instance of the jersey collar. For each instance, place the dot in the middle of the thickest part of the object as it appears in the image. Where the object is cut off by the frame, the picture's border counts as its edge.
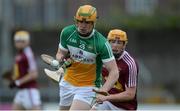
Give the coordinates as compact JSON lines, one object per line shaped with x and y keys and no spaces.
{"x":92,"y":33}
{"x":122,"y":55}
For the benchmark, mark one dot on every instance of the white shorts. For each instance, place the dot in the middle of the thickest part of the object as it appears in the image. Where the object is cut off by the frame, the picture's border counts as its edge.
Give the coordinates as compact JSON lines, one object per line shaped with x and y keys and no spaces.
{"x":28,"y":98}
{"x":68,"y":93}
{"x":106,"y":105}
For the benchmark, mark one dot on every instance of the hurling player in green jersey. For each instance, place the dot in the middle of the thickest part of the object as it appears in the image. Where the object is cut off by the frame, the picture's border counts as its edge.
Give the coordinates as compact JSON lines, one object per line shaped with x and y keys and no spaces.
{"x":89,"y":50}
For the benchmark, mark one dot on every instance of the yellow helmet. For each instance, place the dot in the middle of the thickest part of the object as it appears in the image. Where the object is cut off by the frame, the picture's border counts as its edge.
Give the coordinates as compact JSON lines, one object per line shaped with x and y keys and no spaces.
{"x":22,"y":35}
{"x":117,"y":34}
{"x":87,"y":13}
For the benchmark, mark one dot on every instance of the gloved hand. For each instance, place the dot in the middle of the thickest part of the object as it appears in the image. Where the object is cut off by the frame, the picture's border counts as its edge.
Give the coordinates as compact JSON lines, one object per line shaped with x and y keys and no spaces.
{"x":14,"y":84}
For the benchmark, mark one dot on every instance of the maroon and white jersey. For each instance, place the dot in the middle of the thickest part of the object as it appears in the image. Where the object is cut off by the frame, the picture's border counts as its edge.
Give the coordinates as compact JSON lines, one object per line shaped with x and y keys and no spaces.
{"x":128,"y":76}
{"x":25,"y":62}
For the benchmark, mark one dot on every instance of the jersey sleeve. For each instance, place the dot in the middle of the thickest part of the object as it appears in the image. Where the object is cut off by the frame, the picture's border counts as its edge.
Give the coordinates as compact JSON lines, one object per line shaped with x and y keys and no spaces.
{"x":131,"y":79}
{"x":106,"y":53}
{"x":63,"y":43}
{"x":31,"y":60}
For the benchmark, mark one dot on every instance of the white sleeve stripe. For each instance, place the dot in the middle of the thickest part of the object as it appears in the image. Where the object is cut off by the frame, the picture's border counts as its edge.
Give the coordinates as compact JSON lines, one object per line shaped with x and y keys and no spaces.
{"x":132,"y":70}
{"x":109,"y":49}
{"x":133,"y":66}
{"x":30,"y":57}
{"x":130,"y":74}
{"x":61,"y":36}
{"x":130,"y":82}
{"x":71,"y":35}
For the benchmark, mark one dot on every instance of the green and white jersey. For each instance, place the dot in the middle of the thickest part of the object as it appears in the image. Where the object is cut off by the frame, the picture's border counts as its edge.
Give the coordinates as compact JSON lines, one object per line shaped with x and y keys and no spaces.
{"x":88,"y":54}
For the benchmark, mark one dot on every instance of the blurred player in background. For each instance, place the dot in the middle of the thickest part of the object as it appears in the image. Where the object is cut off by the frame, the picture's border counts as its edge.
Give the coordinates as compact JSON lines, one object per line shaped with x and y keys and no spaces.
{"x":123,"y":94}
{"x":24,"y":75}
{"x":89,"y":50}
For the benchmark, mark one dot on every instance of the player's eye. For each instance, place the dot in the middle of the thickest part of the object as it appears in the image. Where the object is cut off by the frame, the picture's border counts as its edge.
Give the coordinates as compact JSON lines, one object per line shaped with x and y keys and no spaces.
{"x":88,"y":22}
{"x":112,"y":41}
{"x":83,"y":21}
{"x":79,"y":21}
{"x":19,"y":41}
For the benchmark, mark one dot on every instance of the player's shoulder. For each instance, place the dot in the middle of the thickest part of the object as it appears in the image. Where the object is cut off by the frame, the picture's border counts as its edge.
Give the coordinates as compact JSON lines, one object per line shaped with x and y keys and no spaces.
{"x":127,"y":55}
{"x":69,"y":29}
{"x":101,"y":42}
{"x":99,"y":36}
{"x":28,"y":51}
{"x":100,"y":39}
{"x":128,"y":59}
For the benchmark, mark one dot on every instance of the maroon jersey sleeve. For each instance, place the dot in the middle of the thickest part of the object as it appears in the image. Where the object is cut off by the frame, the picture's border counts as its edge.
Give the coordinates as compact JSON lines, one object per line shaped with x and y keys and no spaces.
{"x":131,"y":79}
{"x":30,"y":58}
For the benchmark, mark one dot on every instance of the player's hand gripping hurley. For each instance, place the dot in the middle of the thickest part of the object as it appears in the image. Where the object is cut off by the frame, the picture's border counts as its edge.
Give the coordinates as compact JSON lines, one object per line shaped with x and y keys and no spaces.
{"x":100,"y":92}
{"x":55,"y":75}
{"x":97,"y":91}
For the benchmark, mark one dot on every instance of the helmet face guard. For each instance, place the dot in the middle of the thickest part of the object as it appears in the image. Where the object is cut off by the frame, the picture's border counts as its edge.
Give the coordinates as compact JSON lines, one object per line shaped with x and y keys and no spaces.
{"x":86,"y":13}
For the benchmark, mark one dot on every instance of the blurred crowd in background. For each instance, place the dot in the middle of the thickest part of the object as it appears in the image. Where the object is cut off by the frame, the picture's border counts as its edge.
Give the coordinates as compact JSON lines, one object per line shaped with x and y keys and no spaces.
{"x":152,"y":27}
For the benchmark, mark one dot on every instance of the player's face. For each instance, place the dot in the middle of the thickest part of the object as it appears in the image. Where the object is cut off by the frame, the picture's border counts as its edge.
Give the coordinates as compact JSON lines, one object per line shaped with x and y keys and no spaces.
{"x":117,"y":46}
{"x":84,"y":27}
{"x":20,"y":44}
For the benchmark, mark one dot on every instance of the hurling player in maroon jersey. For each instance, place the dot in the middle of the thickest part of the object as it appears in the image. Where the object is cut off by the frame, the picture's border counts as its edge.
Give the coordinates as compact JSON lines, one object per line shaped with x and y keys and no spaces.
{"x":24,"y":75}
{"x":123,"y":95}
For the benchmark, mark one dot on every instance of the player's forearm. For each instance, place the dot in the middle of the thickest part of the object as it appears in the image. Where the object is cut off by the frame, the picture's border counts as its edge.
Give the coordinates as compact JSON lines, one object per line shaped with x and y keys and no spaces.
{"x":112,"y":78}
{"x":60,"y":55}
{"x":124,"y":96}
{"x":29,"y":77}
